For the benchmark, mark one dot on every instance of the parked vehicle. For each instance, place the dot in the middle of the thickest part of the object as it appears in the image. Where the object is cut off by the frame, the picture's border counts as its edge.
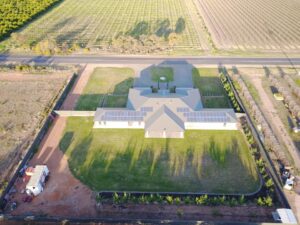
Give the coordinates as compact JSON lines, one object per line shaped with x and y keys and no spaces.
{"x":285,"y":216}
{"x":37,"y":181}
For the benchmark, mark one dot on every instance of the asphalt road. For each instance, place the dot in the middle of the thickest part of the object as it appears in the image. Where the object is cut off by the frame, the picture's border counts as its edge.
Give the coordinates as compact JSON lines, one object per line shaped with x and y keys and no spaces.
{"x":148,"y":60}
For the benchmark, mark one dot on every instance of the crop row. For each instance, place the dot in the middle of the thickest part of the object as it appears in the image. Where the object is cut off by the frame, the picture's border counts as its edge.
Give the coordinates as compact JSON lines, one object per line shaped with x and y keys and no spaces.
{"x":95,"y":23}
{"x":239,"y":24}
{"x":14,"y":13}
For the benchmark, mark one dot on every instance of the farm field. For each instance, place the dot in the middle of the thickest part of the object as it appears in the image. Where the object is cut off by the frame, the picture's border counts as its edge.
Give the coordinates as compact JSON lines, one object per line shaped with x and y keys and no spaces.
{"x":274,"y":111}
{"x":24,"y":102}
{"x":107,"y":87}
{"x":213,"y":95}
{"x":15,"y":13}
{"x":123,"y":160}
{"x":94,"y":24}
{"x":253,"y":26}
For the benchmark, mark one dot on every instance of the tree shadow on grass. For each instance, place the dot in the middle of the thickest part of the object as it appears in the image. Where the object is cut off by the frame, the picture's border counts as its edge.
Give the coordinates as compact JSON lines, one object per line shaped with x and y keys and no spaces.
{"x":157,"y":166}
{"x":66,"y":141}
{"x":78,"y":157}
{"x":89,"y":102}
{"x":124,"y":86}
{"x":224,"y":170}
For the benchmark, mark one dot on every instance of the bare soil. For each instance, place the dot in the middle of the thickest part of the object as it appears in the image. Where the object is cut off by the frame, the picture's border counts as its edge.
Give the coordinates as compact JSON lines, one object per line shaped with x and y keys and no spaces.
{"x":24,"y":100}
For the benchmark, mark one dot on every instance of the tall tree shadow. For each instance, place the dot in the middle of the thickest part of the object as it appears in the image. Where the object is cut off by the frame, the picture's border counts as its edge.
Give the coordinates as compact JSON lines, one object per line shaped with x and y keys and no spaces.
{"x":141,"y":28}
{"x":164,"y":29}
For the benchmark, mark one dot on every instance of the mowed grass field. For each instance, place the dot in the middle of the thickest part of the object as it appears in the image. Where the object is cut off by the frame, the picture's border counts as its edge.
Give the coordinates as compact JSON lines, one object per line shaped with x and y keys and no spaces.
{"x":256,"y":25}
{"x":213,"y":95}
{"x":107,"y":87}
{"x":123,"y":160}
{"x":93,"y":23}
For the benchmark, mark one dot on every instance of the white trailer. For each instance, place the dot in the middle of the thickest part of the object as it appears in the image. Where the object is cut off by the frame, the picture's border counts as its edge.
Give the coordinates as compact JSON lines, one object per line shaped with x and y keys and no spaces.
{"x":37,"y":181}
{"x":285,"y":216}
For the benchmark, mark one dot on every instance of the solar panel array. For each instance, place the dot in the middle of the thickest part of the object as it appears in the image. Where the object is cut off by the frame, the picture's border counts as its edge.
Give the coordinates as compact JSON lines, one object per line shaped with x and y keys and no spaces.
{"x":206,"y":117}
{"x":147,"y":109}
{"x":123,"y":116}
{"x":183,"y":109}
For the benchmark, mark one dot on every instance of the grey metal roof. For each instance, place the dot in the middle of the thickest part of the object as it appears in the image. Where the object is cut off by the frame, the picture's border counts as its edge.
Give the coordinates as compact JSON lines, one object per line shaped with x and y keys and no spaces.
{"x":165,"y":111}
{"x":164,"y":119}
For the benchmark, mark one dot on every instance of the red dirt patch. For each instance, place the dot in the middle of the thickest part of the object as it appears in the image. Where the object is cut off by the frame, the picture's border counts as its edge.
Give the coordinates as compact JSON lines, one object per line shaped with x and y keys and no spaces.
{"x":71,"y":100}
{"x":63,"y":195}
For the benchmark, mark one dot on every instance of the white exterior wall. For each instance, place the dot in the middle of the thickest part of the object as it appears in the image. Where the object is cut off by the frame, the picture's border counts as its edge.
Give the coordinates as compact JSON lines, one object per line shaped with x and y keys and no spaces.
{"x":210,"y":126}
{"x":163,"y":134}
{"x":120,"y":125}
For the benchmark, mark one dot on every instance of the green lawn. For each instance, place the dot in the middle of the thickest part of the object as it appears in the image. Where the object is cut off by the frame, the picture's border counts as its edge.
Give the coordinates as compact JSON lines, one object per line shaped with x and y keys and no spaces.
{"x":115,"y":101}
{"x":158,"y":72}
{"x":123,"y":160}
{"x":211,"y":88}
{"x":105,"y":81}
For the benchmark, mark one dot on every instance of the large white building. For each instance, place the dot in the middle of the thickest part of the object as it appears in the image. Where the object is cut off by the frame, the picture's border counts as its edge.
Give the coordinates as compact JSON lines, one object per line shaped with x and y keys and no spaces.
{"x":165,"y":114}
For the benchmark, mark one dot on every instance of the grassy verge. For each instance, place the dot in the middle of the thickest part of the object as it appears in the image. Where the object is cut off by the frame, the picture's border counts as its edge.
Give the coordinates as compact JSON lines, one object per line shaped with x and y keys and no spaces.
{"x":105,"y":81}
{"x":123,"y":160}
{"x":211,"y":89}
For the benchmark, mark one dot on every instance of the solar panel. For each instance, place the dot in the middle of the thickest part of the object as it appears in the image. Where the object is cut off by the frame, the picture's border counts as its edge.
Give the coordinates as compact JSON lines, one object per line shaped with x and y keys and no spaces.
{"x":183,"y":109}
{"x":123,"y":115}
{"x":206,"y":117}
{"x":147,"y":109}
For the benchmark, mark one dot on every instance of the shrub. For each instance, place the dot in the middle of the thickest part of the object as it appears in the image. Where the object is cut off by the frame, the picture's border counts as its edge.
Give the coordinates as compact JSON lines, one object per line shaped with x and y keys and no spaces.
{"x":99,"y":198}
{"x":233,"y":202}
{"x":188,"y":200}
{"x":177,"y":200}
{"x":269,"y":183}
{"x":116,"y":198}
{"x":143,"y":199}
{"x":201,"y":200}
{"x":159,"y":198}
{"x":260,"y":201}
{"x":242,"y":200}
{"x":268,"y":201}
{"x":169,"y":199}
